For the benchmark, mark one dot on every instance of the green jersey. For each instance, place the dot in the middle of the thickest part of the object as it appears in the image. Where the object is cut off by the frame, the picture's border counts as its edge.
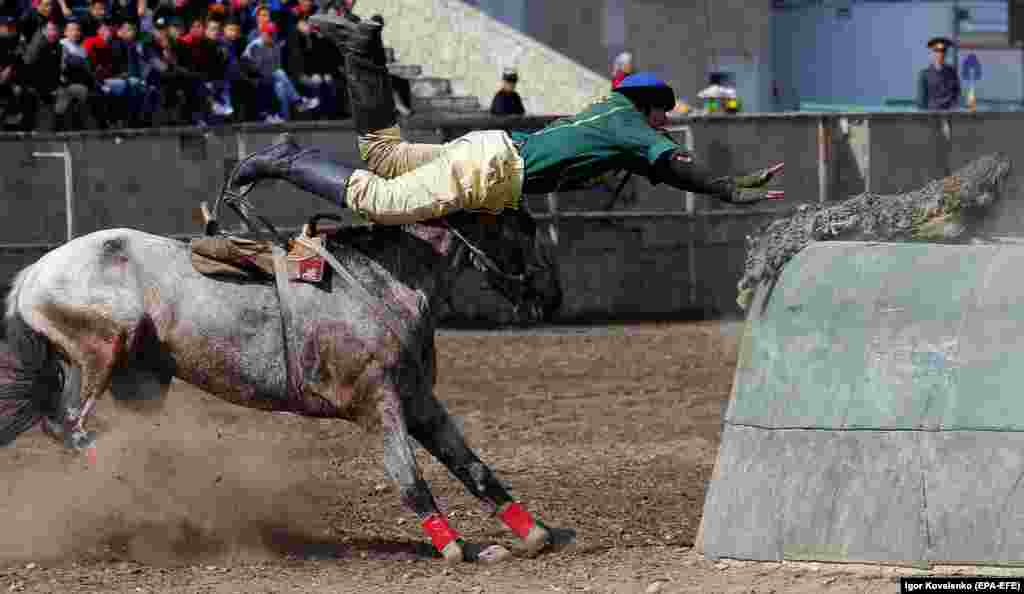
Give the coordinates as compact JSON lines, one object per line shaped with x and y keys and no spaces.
{"x":609,"y":135}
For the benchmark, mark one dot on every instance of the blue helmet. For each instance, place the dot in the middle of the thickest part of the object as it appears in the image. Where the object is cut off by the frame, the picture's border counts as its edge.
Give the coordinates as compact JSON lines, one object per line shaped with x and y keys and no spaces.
{"x":646,"y":90}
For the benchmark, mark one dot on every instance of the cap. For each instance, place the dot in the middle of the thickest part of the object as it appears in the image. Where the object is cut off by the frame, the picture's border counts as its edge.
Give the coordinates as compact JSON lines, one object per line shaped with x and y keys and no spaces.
{"x":939,"y":43}
{"x":718,"y":78}
{"x":7,"y":20}
{"x":646,"y":89}
{"x":510,"y":75}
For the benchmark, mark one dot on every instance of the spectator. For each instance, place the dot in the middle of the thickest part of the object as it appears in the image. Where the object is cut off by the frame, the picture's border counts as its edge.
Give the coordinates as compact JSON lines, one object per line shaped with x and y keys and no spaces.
{"x":263,"y":15}
{"x":938,"y":84}
{"x":196,"y":31}
{"x":128,"y":10}
{"x":507,"y":101}
{"x":44,"y":11}
{"x":91,"y":21}
{"x":210,"y":59}
{"x":264,"y":56}
{"x":309,"y":65}
{"x":129,"y":65}
{"x":112,"y":105}
{"x":244,"y":83}
{"x":170,"y":69}
{"x":303,"y":8}
{"x":45,"y":61}
{"x":175,"y":28}
{"x":243,"y":11}
{"x":76,"y":72}
{"x":621,"y":68}
{"x":185,"y":11}
{"x":18,"y":102}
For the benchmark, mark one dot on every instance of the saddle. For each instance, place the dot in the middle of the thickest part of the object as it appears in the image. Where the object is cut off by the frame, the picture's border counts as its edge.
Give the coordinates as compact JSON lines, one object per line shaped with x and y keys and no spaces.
{"x":249,"y":256}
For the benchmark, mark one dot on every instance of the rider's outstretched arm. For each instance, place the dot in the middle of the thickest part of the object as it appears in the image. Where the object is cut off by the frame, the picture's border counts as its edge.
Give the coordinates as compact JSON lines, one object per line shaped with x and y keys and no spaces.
{"x":680,"y":170}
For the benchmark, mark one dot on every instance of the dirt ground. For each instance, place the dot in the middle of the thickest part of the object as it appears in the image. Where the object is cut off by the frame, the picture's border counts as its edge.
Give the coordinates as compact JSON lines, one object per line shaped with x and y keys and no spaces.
{"x":611,"y":431}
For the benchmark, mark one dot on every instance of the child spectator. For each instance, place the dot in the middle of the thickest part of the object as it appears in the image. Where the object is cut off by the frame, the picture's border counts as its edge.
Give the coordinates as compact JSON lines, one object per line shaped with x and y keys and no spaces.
{"x":264,"y":56}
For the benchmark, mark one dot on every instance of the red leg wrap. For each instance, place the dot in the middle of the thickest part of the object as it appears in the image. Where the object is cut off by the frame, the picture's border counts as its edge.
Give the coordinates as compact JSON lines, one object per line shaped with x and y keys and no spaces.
{"x":440,"y":533}
{"x":517,"y":519}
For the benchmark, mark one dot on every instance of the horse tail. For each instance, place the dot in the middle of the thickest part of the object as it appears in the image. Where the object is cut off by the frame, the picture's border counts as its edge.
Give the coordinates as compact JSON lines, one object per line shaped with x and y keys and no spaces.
{"x":29,"y":374}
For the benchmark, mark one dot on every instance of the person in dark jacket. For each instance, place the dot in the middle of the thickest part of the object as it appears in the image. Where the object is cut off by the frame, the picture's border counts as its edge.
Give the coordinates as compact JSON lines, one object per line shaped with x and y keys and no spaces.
{"x":308,"y":64}
{"x":129,"y":70}
{"x":244,"y":82}
{"x":52,"y":73}
{"x":507,"y":101}
{"x":44,"y":12}
{"x":938,"y":84}
{"x":210,"y":59}
{"x":91,"y":21}
{"x":18,"y":102}
{"x":181,"y":87}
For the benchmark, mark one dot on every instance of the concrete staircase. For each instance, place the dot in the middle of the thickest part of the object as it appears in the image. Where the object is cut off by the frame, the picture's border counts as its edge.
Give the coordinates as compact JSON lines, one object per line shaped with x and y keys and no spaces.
{"x":431,"y":94}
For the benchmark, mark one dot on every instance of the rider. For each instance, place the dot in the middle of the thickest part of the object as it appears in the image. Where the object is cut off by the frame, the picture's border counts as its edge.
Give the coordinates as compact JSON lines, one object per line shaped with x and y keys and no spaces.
{"x":406,"y":182}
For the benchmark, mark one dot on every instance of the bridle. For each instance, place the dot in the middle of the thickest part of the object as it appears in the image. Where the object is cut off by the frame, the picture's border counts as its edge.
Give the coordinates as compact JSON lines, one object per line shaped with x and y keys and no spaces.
{"x":485,"y":263}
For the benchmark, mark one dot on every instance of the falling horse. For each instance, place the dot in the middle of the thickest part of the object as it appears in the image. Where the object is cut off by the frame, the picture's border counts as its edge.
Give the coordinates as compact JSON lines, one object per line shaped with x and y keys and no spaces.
{"x":123,"y":309}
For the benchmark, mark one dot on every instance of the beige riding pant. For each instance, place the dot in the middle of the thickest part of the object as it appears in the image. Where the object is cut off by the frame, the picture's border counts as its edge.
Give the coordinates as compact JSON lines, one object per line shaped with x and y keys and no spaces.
{"x":409,"y":182}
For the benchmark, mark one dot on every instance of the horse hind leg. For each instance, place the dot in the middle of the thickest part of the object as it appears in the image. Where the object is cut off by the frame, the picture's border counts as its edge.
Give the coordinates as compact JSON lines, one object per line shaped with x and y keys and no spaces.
{"x":400,"y":463}
{"x":436,"y":431}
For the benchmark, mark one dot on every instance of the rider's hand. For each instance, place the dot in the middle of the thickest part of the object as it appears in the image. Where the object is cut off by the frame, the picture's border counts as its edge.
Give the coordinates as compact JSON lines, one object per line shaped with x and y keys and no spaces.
{"x":758,"y":178}
{"x":754,"y":195}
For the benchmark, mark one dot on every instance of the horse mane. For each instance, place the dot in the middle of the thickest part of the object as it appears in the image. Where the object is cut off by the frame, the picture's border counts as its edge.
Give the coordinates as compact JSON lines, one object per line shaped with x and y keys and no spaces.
{"x":12,"y":295}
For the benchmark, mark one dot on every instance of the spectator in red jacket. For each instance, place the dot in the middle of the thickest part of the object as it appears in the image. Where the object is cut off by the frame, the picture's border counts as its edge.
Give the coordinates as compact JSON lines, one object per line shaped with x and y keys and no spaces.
{"x":100,"y":51}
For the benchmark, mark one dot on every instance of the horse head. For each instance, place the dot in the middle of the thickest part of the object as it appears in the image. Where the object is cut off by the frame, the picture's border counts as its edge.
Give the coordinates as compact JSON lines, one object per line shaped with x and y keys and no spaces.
{"x":515,"y":261}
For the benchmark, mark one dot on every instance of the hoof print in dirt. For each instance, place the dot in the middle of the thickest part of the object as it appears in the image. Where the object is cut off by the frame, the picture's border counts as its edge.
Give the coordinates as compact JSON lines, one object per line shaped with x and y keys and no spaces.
{"x":485,"y":553}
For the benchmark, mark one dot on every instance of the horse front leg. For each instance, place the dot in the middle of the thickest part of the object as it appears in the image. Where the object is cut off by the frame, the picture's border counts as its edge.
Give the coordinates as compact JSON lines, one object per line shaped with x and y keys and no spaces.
{"x":400,"y":463}
{"x":436,"y":431}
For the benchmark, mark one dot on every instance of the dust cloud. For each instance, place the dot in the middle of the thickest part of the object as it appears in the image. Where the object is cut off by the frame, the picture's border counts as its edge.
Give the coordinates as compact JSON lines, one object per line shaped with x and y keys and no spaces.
{"x":194,"y":481}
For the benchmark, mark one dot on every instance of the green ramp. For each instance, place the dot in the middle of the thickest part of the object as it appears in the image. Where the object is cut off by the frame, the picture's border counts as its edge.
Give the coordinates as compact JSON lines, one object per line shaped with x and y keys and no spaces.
{"x":877,"y":411}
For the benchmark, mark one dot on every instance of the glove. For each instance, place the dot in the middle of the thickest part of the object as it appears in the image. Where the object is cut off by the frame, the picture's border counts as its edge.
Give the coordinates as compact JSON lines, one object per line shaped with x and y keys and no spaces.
{"x":758,"y":178}
{"x":681,"y":171}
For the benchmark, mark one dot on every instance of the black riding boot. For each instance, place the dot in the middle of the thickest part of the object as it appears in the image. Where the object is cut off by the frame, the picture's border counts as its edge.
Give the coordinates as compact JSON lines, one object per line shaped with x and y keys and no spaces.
{"x":307,"y":169}
{"x":371,"y":95}
{"x":359,"y":37}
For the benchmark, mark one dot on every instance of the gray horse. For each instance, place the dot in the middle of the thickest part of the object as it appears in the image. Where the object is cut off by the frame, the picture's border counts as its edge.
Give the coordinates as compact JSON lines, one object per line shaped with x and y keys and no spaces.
{"x":126,"y":310}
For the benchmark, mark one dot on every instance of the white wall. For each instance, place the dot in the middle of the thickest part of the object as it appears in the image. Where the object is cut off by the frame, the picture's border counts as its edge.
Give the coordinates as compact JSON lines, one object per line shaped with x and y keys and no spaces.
{"x":877,"y":52}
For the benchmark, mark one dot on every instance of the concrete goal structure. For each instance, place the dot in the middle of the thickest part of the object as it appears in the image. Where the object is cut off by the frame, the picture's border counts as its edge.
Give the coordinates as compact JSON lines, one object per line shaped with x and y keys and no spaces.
{"x":877,"y":413}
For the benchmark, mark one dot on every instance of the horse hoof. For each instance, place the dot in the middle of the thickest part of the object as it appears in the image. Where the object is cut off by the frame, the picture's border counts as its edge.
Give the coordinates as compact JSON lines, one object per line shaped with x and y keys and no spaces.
{"x":536,"y":540}
{"x":485,"y":553}
{"x":452,"y":553}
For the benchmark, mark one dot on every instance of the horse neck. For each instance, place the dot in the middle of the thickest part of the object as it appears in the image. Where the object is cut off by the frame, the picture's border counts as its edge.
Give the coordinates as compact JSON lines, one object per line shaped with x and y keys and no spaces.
{"x":419,"y":257}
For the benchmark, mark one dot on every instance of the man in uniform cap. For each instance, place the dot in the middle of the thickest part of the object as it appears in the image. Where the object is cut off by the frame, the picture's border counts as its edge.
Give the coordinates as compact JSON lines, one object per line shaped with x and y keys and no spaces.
{"x":938,"y":85}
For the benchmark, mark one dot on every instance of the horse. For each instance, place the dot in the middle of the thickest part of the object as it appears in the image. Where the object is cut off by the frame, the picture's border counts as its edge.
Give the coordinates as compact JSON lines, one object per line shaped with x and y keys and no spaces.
{"x":125,"y":309}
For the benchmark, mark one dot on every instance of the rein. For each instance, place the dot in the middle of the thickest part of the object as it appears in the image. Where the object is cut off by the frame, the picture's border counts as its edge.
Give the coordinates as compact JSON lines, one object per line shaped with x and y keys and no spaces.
{"x":485,"y":261}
